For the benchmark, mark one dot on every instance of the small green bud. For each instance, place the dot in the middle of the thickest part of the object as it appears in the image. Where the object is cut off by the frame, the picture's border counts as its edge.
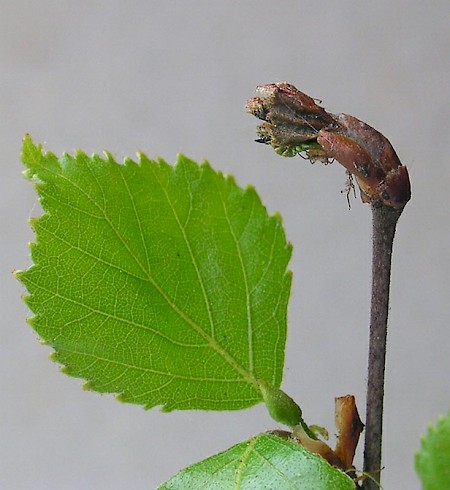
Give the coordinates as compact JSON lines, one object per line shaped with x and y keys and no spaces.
{"x":282,"y":408}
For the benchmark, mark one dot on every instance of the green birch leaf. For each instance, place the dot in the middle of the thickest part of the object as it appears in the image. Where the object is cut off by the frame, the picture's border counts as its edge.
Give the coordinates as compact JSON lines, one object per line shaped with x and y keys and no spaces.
{"x":433,"y":459}
{"x":165,"y":285}
{"x":263,"y":462}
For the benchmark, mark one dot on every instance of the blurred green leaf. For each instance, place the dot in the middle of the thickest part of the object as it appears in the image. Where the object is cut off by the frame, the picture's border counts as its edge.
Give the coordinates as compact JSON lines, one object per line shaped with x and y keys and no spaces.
{"x":166,"y":285}
{"x":433,"y":459}
{"x":263,"y":462}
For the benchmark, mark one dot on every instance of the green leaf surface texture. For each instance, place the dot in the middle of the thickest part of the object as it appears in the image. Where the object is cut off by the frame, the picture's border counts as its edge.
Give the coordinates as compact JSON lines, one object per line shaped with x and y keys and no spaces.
{"x":263,"y":462}
{"x":167,"y":285}
{"x":433,"y":459}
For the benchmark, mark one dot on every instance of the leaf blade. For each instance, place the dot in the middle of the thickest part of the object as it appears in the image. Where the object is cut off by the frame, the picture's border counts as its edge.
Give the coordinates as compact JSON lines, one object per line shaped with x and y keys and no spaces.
{"x":166,"y":285}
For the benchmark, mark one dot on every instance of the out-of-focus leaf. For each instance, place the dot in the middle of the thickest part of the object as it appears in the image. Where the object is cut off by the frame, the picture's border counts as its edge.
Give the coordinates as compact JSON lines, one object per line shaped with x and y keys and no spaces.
{"x":433,"y":459}
{"x":263,"y":462}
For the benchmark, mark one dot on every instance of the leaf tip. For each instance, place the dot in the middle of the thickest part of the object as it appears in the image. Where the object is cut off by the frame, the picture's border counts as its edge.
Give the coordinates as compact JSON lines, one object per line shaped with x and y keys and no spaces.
{"x":27,"y":143}
{"x":183,"y":160}
{"x":32,"y":221}
{"x":54,"y":358}
{"x":121,"y":398}
{"x":230,"y":179}
{"x":28,"y":155}
{"x":77,"y":155}
{"x":180,"y":157}
{"x":85,"y":386}
{"x":108,"y":155}
{"x":129,"y":162}
{"x":31,"y":319}
{"x":142,"y":157}
{"x":277,"y":218}
{"x":164,"y":408}
{"x":17,"y":274}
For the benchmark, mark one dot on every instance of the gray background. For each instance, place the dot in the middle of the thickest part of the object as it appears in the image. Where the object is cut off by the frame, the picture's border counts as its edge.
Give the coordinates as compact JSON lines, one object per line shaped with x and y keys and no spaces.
{"x":173,"y":76}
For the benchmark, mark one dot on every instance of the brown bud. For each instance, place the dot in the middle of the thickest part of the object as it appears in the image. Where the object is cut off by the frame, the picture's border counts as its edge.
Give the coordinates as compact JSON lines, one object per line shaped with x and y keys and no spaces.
{"x":295,"y":123}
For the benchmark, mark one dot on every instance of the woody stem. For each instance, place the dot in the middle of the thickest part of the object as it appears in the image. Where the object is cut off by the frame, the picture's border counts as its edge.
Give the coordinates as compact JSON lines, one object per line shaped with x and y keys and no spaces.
{"x":384,"y":221}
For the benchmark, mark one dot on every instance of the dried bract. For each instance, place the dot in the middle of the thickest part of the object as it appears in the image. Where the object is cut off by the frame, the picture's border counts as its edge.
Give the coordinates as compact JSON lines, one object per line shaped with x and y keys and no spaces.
{"x":349,"y":428}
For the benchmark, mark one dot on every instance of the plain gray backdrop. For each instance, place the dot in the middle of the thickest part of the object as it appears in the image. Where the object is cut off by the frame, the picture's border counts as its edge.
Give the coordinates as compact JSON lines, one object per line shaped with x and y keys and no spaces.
{"x":173,"y":76}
